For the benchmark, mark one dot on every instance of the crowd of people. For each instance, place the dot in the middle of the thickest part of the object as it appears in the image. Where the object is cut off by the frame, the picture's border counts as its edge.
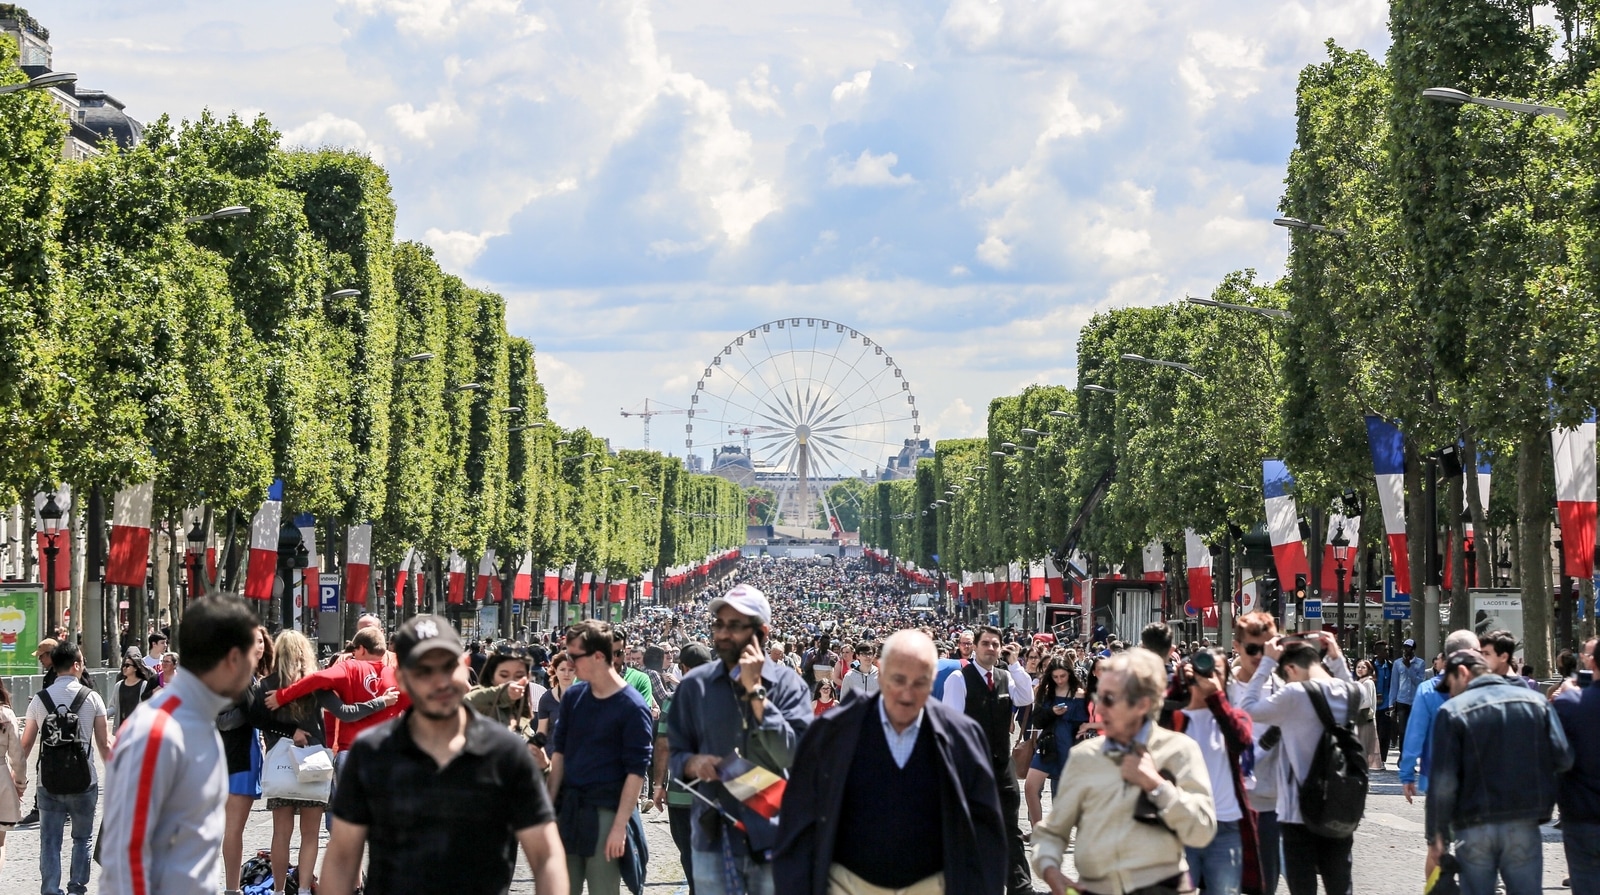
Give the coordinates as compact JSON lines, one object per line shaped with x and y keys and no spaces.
{"x":809,"y":729}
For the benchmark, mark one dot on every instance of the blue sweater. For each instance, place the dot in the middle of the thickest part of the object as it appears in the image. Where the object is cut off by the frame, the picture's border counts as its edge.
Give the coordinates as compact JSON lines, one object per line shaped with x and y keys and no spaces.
{"x":1579,"y":788}
{"x":602,"y":741}
{"x":1418,"y":742}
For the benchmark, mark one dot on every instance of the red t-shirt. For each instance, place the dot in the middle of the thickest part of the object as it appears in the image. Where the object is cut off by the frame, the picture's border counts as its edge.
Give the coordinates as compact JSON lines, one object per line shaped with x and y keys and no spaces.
{"x":353,"y":680}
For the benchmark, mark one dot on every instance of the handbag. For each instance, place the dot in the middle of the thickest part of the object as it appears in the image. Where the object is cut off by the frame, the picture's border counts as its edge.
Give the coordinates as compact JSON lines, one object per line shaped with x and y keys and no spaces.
{"x":280,"y":776}
{"x":1022,"y":755}
{"x":314,"y":763}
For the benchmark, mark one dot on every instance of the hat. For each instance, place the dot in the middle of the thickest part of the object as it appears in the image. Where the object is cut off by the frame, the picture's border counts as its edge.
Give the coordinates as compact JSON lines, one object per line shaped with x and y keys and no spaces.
{"x":1409,"y":642}
{"x":694,"y":655}
{"x":133,"y":653}
{"x":46,"y":646}
{"x":424,"y":634}
{"x":1465,"y":658}
{"x":745,"y":600}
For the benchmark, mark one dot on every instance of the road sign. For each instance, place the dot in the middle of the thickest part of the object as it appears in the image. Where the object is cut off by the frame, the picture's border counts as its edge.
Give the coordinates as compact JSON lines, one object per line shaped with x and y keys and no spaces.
{"x":1390,"y":595}
{"x":1313,"y":609}
{"x":1397,"y":613}
{"x":328,"y":594}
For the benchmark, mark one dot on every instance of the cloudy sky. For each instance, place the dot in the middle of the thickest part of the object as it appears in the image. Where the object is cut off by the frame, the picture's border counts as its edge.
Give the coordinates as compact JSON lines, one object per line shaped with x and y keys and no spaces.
{"x":965,"y":181}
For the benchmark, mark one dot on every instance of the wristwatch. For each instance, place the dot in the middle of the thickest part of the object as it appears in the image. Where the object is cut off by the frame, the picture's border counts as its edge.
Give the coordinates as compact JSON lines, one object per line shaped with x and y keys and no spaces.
{"x":760,"y":692}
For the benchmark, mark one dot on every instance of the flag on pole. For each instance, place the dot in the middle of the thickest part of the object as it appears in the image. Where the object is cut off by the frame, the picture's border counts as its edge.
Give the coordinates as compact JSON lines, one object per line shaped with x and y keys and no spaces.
{"x":758,"y":794}
{"x":1283,"y":521}
{"x":456,"y":592}
{"x":311,"y":577}
{"x":1155,"y":561}
{"x":1055,"y":585}
{"x":358,"y":573}
{"x":568,"y":579}
{"x":522,"y":586}
{"x":1197,"y":565}
{"x":1574,"y":454}
{"x":619,"y":591}
{"x":264,"y":544}
{"x":583,"y":591}
{"x":130,"y":535}
{"x":1016,"y":585}
{"x":1037,"y":587}
{"x":1389,"y":468}
{"x":401,"y":576}
{"x":487,"y":587}
{"x":552,"y":585}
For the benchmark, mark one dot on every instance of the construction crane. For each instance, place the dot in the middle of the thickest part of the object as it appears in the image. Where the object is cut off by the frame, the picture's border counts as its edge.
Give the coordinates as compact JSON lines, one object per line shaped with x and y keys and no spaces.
{"x":746,"y":433}
{"x":646,"y":414}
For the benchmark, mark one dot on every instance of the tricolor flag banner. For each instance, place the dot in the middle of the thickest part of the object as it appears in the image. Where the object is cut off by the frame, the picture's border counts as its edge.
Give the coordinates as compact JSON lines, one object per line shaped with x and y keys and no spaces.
{"x":1283,"y":521}
{"x":358,"y":571}
{"x":264,"y":544}
{"x":552,"y":585}
{"x":583,"y":587}
{"x":568,"y":584}
{"x":403,"y":575}
{"x":1155,"y":561}
{"x":647,"y":589}
{"x":1484,"y":476}
{"x":757,"y":794}
{"x":1351,"y":526}
{"x":63,"y":576}
{"x":619,"y":591}
{"x":1197,"y":564}
{"x":456,"y":589}
{"x":1036,"y":582}
{"x":522,"y":585}
{"x":966,"y":586}
{"x":1389,"y":468}
{"x":1017,"y":588}
{"x":1574,"y":454}
{"x":1055,"y":585}
{"x":312,"y":576}
{"x":986,"y":589}
{"x":487,"y":587}
{"x":130,"y":535}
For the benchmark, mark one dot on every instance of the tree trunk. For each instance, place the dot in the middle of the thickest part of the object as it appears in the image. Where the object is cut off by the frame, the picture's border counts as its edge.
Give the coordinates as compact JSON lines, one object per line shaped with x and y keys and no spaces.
{"x":1417,"y":528}
{"x":1457,"y":558}
{"x":1533,"y":553}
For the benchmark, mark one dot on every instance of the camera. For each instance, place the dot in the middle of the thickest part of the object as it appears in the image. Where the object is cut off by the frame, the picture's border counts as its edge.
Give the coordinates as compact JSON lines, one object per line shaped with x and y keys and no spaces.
{"x":538,"y":738}
{"x":1204,"y":662}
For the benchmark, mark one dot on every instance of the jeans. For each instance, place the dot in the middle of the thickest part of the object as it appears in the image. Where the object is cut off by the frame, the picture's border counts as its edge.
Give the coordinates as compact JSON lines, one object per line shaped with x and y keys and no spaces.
{"x":53,"y":813}
{"x":1218,"y":869}
{"x":678,"y":822}
{"x":1582,"y":845}
{"x":708,"y":875}
{"x":1269,"y":850}
{"x":1315,"y":856}
{"x":1513,"y":851}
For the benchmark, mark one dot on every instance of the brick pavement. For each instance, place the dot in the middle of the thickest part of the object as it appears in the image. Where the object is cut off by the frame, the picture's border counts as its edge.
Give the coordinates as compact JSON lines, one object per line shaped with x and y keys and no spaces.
{"x":1389,"y":850}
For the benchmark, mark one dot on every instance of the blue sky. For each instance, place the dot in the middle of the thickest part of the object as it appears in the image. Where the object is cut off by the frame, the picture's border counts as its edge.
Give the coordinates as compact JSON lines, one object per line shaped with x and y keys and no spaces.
{"x":966,"y":181}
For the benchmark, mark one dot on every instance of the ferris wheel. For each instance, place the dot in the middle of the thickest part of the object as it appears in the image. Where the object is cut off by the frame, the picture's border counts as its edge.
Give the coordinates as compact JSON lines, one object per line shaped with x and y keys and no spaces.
{"x":811,"y":398}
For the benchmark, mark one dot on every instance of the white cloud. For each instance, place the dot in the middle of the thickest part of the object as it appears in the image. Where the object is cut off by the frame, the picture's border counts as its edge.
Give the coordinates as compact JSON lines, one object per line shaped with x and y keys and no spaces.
{"x":757,"y":91}
{"x":328,"y":129}
{"x":438,"y":19}
{"x":867,"y":170}
{"x":853,"y":89}
{"x":457,"y":249}
{"x":418,"y":124}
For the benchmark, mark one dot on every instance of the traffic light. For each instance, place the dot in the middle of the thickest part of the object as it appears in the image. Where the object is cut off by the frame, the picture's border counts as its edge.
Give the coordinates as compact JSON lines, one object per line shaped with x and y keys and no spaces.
{"x":1300,"y":587}
{"x":1271,"y":595}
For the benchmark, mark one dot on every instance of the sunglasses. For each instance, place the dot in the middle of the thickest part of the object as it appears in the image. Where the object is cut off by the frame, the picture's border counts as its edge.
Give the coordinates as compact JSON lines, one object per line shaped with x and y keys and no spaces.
{"x":732,"y":627}
{"x":1253,"y":649}
{"x":1107,"y":699}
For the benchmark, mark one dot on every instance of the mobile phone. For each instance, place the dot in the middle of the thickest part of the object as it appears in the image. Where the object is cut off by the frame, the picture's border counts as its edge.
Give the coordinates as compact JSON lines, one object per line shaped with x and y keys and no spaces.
{"x":1585,"y":678}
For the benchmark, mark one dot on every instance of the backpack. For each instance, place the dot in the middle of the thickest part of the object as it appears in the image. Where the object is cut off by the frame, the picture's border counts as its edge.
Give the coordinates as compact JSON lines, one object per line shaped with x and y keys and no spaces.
{"x":63,"y":754}
{"x":1334,"y":793}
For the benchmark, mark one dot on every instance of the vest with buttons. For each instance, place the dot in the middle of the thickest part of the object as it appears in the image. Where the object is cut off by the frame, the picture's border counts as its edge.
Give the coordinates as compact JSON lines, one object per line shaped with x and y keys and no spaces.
{"x":990,"y":708}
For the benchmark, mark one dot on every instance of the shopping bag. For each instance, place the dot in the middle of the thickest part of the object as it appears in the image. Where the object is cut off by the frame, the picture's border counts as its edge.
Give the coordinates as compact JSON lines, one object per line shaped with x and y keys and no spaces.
{"x":280,"y":776}
{"x":315,"y":763}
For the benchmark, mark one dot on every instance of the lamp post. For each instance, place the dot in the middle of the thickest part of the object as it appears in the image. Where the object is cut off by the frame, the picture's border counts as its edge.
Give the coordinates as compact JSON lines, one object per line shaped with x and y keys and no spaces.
{"x":291,"y":556}
{"x":1154,"y":362}
{"x":1271,"y":313}
{"x":195,"y":549}
{"x":1456,"y":97}
{"x":46,"y":80}
{"x":1341,"y":556}
{"x":221,"y":214}
{"x":50,"y":518}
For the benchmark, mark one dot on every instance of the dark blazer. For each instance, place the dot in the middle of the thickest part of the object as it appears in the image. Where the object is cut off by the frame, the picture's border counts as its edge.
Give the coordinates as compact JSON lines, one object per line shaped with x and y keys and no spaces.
{"x":810,"y":820}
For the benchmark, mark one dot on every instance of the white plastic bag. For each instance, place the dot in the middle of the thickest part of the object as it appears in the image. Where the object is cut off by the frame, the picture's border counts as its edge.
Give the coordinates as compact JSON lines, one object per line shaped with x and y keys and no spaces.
{"x":315,"y":763}
{"x":280,"y":776}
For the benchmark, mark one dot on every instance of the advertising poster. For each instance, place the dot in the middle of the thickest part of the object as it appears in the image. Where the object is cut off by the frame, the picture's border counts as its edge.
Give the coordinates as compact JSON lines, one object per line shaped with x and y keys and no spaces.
{"x":1497,"y":611}
{"x":21,"y":627}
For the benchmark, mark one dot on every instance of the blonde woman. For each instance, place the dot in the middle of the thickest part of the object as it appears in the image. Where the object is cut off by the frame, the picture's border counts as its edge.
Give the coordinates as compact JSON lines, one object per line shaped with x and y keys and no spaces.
{"x":12,"y":759}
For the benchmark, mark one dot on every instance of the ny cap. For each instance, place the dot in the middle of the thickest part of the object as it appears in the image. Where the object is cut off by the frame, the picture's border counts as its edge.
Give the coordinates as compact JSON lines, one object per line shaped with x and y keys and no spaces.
{"x":422,"y":635}
{"x":746,"y":600}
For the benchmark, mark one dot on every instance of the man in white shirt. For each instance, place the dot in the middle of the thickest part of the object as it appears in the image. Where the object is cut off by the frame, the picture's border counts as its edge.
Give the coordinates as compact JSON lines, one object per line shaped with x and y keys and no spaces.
{"x":75,"y":792}
{"x":863,"y":679}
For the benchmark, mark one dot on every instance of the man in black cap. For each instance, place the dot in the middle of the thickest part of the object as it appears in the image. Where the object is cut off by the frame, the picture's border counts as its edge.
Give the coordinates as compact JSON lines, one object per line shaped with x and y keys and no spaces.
{"x":442,"y":794}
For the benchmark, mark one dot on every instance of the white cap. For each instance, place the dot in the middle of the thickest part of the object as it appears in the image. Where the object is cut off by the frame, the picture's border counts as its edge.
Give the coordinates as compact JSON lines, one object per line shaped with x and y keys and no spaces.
{"x":745,"y":600}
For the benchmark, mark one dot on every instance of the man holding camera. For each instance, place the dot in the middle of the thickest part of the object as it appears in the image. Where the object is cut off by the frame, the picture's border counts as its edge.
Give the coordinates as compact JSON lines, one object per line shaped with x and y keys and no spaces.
{"x":1230,"y":863}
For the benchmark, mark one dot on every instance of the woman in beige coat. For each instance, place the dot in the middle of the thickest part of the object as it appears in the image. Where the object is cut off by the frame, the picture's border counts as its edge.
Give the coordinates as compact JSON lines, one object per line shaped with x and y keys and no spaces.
{"x":11,"y":758}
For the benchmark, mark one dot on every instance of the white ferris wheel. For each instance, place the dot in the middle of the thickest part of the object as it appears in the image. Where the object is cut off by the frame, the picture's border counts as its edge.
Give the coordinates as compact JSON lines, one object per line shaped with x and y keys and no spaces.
{"x":812,"y":399}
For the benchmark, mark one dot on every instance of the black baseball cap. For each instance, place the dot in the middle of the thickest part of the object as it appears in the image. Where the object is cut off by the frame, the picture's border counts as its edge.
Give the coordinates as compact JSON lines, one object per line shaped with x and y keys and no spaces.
{"x":424,"y":634}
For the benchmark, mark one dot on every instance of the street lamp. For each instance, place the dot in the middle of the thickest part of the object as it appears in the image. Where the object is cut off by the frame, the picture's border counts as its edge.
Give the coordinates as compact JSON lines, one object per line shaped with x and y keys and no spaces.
{"x":1007,"y":446}
{"x":194,"y":549}
{"x":1274,"y":313}
{"x":463,"y":387}
{"x":514,"y":408}
{"x":48,"y":79}
{"x":528,"y":426}
{"x":562,"y":441}
{"x":1297,"y":224}
{"x":221,"y":214}
{"x":1460,"y":97}
{"x":606,"y":468}
{"x":1062,"y":414}
{"x":1090,"y":387}
{"x":1341,"y":556}
{"x":1141,"y":359}
{"x":50,"y":518}
{"x":342,"y":294}
{"x":417,"y":358}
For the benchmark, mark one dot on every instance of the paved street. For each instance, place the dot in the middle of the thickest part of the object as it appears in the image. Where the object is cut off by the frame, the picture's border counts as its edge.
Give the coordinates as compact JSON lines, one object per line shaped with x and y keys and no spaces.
{"x":1388,"y":850}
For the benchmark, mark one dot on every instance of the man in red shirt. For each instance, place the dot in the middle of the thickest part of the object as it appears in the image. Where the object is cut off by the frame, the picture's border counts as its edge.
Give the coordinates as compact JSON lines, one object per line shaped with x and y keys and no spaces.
{"x":362,"y":677}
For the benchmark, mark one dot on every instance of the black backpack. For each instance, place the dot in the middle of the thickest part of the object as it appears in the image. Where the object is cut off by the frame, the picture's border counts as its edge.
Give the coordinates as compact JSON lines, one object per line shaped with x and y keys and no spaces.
{"x":63,"y":755}
{"x":1334,"y":793}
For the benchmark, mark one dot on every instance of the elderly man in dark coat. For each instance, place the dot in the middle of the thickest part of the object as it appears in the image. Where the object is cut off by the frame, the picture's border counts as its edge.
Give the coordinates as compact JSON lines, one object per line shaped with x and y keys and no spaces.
{"x":892,"y":793}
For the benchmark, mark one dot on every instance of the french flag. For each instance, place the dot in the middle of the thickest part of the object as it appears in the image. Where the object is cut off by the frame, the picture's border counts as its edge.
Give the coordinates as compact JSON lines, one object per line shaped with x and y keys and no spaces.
{"x":1574,"y":453}
{"x":487,"y":586}
{"x":619,"y":591}
{"x":401,"y":576}
{"x":358,"y":569}
{"x":1197,"y":566}
{"x":552,"y":585}
{"x":264,"y":544}
{"x":1484,"y":476}
{"x":1283,"y":521}
{"x":1055,"y":586}
{"x":1351,"y":526}
{"x":1389,"y":468}
{"x":130,"y":535}
{"x":1037,"y":588}
{"x":647,"y":589}
{"x":313,"y":571}
{"x":1155,"y":561}
{"x":522,"y":585}
{"x":568,"y":578}
{"x":1017,"y":588}
{"x":456,"y":590}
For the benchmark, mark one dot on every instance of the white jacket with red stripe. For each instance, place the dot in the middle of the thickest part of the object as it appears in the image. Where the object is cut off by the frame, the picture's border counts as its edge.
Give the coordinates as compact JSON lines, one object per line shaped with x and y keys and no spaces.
{"x":162,"y":802}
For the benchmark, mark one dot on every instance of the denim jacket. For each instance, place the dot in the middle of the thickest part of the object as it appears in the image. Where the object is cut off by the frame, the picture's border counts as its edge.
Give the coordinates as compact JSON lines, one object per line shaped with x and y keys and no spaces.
{"x":1497,"y":748}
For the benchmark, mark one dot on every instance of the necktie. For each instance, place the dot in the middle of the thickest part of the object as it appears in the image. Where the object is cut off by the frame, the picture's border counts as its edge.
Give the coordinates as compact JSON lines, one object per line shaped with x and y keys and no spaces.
{"x":989,"y":676}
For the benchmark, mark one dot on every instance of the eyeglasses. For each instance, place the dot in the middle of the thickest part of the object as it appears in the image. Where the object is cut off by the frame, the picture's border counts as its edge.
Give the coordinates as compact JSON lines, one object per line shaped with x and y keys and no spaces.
{"x":1253,"y":649}
{"x":732,"y":627}
{"x":575,"y":656}
{"x":1107,"y":699}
